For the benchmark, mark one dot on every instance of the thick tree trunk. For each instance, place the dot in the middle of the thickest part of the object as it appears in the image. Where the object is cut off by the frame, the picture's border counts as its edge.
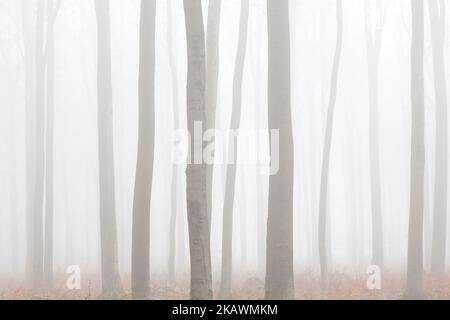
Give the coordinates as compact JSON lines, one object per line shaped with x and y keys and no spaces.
{"x":279,"y":266}
{"x":227,"y":225}
{"x":212,"y":77}
{"x":437,"y":21}
{"x":323,"y":207}
{"x":146,"y":141}
{"x":111,"y":285}
{"x":199,"y":240}
{"x":414,"y":285}
{"x":373,"y":44}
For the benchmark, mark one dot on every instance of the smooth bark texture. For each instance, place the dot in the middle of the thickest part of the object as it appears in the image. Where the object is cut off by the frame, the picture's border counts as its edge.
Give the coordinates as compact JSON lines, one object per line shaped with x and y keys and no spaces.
{"x":146,"y":144}
{"x":323,"y":202}
{"x":49,"y":135}
{"x":414,"y":281}
{"x":38,"y":214}
{"x":27,"y":30}
{"x":198,"y":222}
{"x":279,"y":264}
{"x":230,"y":186}
{"x":211,"y":86}
{"x":175,"y":168}
{"x":111,"y":286}
{"x":437,"y":22}
{"x":373,"y":46}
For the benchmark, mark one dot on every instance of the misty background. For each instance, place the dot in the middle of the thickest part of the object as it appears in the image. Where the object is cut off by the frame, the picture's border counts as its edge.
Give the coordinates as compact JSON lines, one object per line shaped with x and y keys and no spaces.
{"x":313,"y":41}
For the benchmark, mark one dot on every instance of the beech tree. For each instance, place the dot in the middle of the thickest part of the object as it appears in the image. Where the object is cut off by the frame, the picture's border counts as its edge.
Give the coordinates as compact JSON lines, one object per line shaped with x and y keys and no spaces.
{"x":211,"y":86}
{"x":111,"y":285}
{"x":436,"y":11}
{"x":38,"y":199}
{"x":414,"y":281}
{"x":323,"y":202}
{"x":279,"y":257}
{"x":144,"y":169}
{"x":374,"y":37}
{"x":198,"y":222}
{"x":227,"y":224}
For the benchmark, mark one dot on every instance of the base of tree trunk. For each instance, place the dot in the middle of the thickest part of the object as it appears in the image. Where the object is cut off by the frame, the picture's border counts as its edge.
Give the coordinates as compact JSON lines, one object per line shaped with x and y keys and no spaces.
{"x":225,"y":295}
{"x":117,"y":294}
{"x":414,"y":294}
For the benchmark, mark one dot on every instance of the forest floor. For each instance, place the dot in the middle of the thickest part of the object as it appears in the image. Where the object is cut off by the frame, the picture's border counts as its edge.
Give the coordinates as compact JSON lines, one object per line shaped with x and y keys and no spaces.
{"x":341,"y":287}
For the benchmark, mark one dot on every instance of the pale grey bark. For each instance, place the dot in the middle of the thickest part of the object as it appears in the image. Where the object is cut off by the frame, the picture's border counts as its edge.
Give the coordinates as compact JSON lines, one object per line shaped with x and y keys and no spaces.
{"x":414,"y":284}
{"x":227,"y":224}
{"x":198,"y":222}
{"x":29,"y":131}
{"x":373,"y":46}
{"x":49,"y":136}
{"x":212,"y":77}
{"x":13,"y":193}
{"x":323,"y":202}
{"x":146,"y":142}
{"x":438,"y":23}
{"x":38,"y":202}
{"x":243,"y":226}
{"x":111,"y":285}
{"x":175,"y":168}
{"x":279,"y":265}
{"x":260,"y":211}
{"x":260,"y":180}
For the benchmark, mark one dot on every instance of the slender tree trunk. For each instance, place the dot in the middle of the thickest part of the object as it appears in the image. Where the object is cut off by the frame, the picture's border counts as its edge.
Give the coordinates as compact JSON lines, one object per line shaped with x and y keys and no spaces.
{"x":111,"y":285}
{"x":414,"y":286}
{"x":29,"y":132}
{"x":373,"y":45}
{"x":243,"y":225}
{"x":438,"y":23}
{"x":261,"y":234}
{"x":15,"y":221}
{"x":227,"y":225}
{"x":50,"y":63}
{"x":199,"y":240}
{"x":279,"y":266}
{"x":212,"y":77}
{"x":144,"y":169}
{"x":38,"y":218}
{"x":175,"y":168}
{"x":260,"y":181}
{"x":323,"y":207}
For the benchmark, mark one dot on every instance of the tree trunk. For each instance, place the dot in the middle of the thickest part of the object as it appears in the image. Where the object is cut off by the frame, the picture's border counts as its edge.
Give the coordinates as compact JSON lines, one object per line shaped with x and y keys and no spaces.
{"x":227,"y":225}
{"x":373,"y":44}
{"x":414,"y":285}
{"x":279,"y":266}
{"x":212,"y":77}
{"x":111,"y":285}
{"x":50,"y":63}
{"x":199,"y":240}
{"x":38,"y":218}
{"x":323,"y":207}
{"x":29,"y":132}
{"x":146,"y":142}
{"x":437,"y":22}
{"x":175,"y":168}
